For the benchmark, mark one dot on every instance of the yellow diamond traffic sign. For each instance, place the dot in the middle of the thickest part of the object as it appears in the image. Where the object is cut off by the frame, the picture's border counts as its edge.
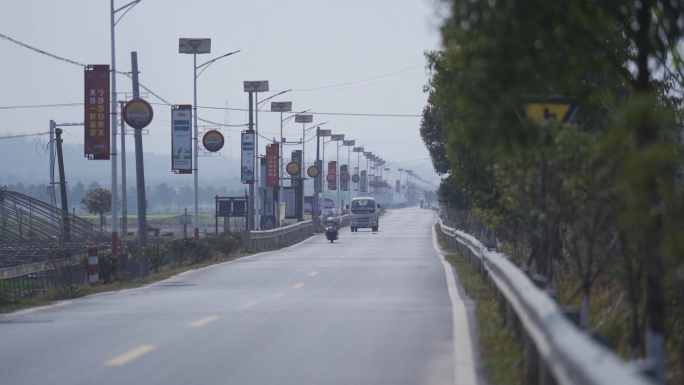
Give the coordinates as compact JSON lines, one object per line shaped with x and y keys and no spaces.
{"x":559,"y":110}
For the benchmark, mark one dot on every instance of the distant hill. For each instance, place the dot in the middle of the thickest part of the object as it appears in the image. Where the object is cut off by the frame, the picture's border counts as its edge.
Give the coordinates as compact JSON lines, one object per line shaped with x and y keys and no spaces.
{"x":26,"y":160}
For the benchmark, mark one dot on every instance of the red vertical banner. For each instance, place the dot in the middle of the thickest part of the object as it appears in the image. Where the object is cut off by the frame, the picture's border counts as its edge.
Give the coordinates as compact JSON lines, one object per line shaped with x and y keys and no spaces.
{"x":97,"y":112}
{"x":272,"y":166}
{"x":398,"y":186}
{"x":332,"y":175}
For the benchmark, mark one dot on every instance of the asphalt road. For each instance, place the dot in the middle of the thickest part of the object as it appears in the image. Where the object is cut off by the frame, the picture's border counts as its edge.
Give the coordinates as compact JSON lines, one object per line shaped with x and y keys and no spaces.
{"x":371,"y":308}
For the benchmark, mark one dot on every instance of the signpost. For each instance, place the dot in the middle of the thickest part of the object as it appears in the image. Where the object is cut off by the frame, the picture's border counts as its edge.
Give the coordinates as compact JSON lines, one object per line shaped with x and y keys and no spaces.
{"x":213,"y":141}
{"x":181,"y":139}
{"x":138,"y":113}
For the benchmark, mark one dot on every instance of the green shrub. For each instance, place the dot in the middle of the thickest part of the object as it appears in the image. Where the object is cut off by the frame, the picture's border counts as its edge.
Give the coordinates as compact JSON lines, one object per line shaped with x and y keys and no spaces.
{"x":182,"y":249}
{"x":156,"y":255}
{"x":225,"y":243}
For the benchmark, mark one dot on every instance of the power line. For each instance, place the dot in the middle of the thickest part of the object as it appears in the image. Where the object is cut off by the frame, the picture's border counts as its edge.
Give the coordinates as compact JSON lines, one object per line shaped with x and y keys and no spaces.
{"x":360,"y":81}
{"x":24,"y":135}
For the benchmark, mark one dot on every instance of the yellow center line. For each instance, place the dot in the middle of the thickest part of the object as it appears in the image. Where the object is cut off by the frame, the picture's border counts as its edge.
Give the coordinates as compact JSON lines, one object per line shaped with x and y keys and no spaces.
{"x":298,"y":286}
{"x":279,"y":295}
{"x":203,"y":321}
{"x":313,"y":274}
{"x":130,"y":355}
{"x":248,"y":304}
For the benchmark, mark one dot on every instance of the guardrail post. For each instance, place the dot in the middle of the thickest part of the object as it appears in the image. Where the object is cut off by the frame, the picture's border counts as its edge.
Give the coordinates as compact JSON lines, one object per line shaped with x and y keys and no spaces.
{"x":531,"y":364}
{"x":93,"y":265}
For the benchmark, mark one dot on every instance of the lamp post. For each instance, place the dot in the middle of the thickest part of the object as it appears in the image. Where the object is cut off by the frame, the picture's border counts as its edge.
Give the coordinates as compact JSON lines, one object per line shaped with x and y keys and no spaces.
{"x":194,"y":47}
{"x":324,"y":134}
{"x":350,"y":144}
{"x":255,"y":86}
{"x":358,"y":151}
{"x":281,"y":107}
{"x":337,"y":138}
{"x":401,"y":194}
{"x":303,"y":119}
{"x":115,"y":187}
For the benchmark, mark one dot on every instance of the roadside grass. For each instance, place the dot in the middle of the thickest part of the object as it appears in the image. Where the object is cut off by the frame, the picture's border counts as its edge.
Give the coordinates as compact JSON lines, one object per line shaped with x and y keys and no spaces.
{"x":501,"y":354}
{"x":8,"y":304}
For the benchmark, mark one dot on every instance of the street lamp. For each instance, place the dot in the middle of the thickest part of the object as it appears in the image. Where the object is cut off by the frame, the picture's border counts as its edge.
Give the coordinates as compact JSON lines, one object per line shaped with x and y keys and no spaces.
{"x":115,"y":187}
{"x":303,"y":119}
{"x":281,"y":107}
{"x":254,"y":86}
{"x":324,"y":134}
{"x":350,"y":144}
{"x":197,"y":46}
{"x":401,"y":194}
{"x":358,"y":151}
{"x":337,"y":138}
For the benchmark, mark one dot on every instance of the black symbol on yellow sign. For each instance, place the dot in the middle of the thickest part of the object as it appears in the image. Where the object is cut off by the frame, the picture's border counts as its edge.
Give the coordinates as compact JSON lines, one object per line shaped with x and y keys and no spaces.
{"x":558,"y":110}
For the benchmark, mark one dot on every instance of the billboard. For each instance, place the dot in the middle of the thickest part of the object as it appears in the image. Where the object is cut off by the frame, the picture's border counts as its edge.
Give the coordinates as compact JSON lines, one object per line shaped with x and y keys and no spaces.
{"x":290,"y":199}
{"x":363,"y":181}
{"x":297,"y":158}
{"x":247,"y":167}
{"x":344,"y":178}
{"x":97,"y":112}
{"x":332,"y":175}
{"x":318,"y":186}
{"x":272,"y":165}
{"x":181,"y":139}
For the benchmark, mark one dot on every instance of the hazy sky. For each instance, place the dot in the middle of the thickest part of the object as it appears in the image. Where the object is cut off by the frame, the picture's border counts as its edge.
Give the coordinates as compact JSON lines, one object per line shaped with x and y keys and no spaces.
{"x":340,"y":58}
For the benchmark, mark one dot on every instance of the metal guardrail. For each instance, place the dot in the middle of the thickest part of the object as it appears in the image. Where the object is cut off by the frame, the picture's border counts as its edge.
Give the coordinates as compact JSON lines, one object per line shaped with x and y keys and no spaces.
{"x":556,"y":351}
{"x":266,"y":239}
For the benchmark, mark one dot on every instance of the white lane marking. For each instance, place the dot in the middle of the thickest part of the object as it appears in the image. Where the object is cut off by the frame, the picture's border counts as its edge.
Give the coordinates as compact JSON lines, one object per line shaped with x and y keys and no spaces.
{"x":130,"y":355}
{"x":203,"y":321}
{"x":464,"y":365}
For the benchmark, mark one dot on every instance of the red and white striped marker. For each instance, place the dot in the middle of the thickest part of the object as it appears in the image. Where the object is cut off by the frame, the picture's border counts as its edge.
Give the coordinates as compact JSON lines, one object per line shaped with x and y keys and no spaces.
{"x":93,"y":267}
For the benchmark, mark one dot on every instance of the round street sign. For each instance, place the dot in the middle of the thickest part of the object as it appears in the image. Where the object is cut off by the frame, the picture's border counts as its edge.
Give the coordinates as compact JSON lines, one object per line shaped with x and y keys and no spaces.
{"x":330,"y":177}
{"x":313,"y":171}
{"x":356,"y":178}
{"x":292,"y":168}
{"x":138,"y":113}
{"x":344,"y":177}
{"x":213,"y":140}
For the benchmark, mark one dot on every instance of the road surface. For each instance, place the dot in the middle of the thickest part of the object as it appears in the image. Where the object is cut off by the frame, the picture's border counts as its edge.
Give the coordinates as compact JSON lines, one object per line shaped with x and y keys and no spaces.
{"x":371,"y":308}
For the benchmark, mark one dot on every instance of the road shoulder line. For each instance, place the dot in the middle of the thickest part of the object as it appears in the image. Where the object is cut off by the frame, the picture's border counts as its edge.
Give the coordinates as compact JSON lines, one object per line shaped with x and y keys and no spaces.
{"x":464,"y":364}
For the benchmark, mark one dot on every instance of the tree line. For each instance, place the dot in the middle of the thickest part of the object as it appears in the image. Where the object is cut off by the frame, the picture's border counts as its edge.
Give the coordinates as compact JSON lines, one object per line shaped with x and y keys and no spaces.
{"x":599,"y":198}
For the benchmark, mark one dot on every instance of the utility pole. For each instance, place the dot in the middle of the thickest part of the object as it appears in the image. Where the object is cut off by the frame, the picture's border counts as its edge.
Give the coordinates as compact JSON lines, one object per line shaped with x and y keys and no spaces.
{"x":318,"y":182}
{"x":62,"y":186}
{"x":251,"y":218}
{"x":124,"y":201}
{"x":139,"y":164}
{"x":115,"y":197}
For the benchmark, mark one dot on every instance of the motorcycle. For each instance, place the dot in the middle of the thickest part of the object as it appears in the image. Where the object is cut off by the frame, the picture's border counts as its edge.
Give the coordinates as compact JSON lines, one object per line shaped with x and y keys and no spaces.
{"x":331,"y":232}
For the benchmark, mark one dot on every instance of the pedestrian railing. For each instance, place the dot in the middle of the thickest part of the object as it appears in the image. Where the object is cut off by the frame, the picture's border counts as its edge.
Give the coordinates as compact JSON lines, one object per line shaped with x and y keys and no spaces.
{"x":555,"y":350}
